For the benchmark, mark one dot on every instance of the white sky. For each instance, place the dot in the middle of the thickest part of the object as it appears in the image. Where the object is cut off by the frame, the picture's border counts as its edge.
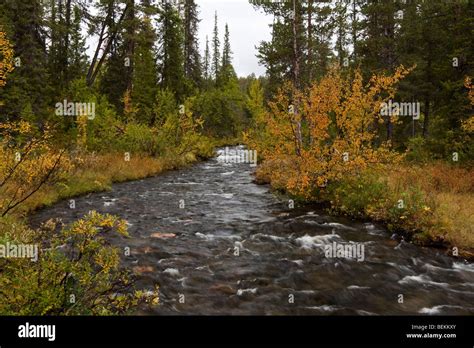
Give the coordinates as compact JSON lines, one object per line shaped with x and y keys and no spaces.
{"x":247,"y":27}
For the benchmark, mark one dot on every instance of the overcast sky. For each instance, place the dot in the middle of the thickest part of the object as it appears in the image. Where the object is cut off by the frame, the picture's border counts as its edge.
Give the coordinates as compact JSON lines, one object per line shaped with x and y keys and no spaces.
{"x":247,"y":28}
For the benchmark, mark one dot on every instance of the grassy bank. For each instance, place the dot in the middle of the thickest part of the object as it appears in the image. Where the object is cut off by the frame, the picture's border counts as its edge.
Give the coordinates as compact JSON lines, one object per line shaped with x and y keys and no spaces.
{"x":430,"y":205}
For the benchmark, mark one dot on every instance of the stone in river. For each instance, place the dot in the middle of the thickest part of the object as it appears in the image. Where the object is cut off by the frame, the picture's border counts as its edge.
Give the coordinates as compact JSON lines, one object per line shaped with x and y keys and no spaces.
{"x":163,"y":235}
{"x":226,"y":289}
{"x":143,"y":269}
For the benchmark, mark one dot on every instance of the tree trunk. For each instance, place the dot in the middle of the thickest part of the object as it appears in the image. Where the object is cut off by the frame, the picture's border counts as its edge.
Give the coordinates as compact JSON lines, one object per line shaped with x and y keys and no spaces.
{"x":66,"y":42}
{"x":427,"y":117}
{"x":310,"y":41}
{"x":354,"y":30}
{"x":130,"y":47}
{"x":296,"y":78}
{"x":96,"y":64}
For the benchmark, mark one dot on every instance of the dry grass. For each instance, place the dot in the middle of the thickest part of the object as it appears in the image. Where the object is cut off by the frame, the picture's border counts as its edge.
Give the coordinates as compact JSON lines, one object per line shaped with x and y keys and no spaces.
{"x":455,"y":218}
{"x":450,"y":192}
{"x":435,"y":177}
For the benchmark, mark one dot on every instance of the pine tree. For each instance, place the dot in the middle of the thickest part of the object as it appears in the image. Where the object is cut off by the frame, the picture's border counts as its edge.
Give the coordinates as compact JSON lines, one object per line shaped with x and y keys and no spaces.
{"x":216,"y":59}
{"x":342,"y":28}
{"x":129,"y":36}
{"x":145,"y":73}
{"x":378,"y":48}
{"x":28,"y":93}
{"x":207,"y":61}
{"x":227,"y":72}
{"x":170,"y":55}
{"x":192,"y":57}
{"x":119,"y":68}
{"x":317,"y":54}
{"x":227,"y":52}
{"x":78,"y":57}
{"x":111,"y":83}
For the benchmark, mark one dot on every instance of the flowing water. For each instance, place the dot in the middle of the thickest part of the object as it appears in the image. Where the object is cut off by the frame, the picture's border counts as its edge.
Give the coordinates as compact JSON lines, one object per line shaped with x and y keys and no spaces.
{"x":219,"y":244}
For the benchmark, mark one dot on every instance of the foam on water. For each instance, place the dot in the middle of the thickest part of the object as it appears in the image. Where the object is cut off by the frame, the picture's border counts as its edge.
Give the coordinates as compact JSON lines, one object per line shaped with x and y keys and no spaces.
{"x":241,"y":292}
{"x":172,"y":272}
{"x":421,"y":279}
{"x":311,"y":242}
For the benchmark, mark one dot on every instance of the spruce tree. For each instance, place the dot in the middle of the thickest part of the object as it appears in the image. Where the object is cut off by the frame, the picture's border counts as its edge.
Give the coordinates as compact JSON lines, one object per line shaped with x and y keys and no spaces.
{"x":227,"y":72}
{"x":28,"y":93}
{"x":207,"y":61}
{"x":78,"y":60}
{"x":216,"y":59}
{"x":145,"y":73}
{"x":170,"y":55}
{"x":192,"y":57}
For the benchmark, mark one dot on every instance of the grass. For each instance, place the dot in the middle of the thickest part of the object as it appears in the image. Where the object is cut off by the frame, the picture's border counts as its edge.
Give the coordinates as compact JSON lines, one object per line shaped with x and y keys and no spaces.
{"x":448,"y":196}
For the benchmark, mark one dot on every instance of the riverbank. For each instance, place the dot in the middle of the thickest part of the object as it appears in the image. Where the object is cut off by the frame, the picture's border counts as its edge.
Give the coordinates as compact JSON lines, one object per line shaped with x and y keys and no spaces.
{"x":430,"y":205}
{"x":97,"y":172}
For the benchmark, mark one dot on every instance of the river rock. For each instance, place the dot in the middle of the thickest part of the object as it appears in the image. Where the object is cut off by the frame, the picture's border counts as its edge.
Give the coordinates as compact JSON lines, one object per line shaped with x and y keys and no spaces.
{"x":143,"y":269}
{"x":163,"y":235}
{"x":226,"y":289}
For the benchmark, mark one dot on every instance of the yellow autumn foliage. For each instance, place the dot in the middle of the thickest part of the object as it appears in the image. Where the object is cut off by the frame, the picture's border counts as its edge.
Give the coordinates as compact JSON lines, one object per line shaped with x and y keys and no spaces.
{"x":325,"y":132}
{"x":6,"y":58}
{"x":28,"y":161}
{"x":468,"y":125}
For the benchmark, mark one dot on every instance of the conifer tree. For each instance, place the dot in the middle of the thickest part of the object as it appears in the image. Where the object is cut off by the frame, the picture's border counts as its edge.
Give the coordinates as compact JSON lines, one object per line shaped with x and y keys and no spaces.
{"x":28,"y":93}
{"x":227,"y":72}
{"x":207,"y":61}
{"x":145,"y":73}
{"x":170,"y":55}
{"x":216,"y":58}
{"x":192,"y":57}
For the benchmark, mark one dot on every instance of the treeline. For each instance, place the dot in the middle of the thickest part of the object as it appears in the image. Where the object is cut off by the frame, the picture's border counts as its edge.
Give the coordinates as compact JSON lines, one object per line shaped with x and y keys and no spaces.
{"x":145,"y":64}
{"x":377,"y":36}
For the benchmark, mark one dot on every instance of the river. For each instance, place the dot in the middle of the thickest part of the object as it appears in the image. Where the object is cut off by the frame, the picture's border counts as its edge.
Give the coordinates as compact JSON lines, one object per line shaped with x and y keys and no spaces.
{"x":218,"y":244}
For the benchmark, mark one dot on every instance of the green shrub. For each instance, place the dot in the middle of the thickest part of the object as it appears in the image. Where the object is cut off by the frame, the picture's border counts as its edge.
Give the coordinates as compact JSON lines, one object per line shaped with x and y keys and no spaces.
{"x":77,"y":272}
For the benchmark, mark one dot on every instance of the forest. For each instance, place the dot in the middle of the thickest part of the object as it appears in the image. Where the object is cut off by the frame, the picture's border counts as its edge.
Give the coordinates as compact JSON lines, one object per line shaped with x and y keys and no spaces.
{"x":366,"y":110}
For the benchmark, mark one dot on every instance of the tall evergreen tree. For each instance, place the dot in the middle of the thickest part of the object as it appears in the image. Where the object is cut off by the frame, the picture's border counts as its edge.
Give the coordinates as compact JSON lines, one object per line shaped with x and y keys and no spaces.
{"x":207,"y":61}
{"x":378,"y":46}
{"x":170,"y":55}
{"x":300,"y":48}
{"x":78,"y":60}
{"x":227,"y":52}
{"x":216,"y":59}
{"x":192,"y":57}
{"x":145,"y":73}
{"x":227,"y":72}
{"x":340,"y":18}
{"x":129,"y":35}
{"x":28,"y":93}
